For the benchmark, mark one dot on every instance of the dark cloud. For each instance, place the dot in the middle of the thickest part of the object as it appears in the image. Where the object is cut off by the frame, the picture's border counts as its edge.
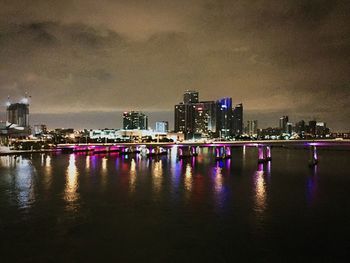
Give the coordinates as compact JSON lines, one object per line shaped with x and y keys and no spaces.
{"x":277,"y":57}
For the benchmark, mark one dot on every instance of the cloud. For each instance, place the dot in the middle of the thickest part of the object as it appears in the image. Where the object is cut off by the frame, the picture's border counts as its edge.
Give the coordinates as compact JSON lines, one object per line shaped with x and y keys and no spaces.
{"x":78,"y":56}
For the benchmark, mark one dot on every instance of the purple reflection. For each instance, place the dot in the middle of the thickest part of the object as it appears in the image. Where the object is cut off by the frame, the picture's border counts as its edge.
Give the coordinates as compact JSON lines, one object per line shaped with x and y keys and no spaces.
{"x":268,"y":152}
{"x":315,"y":153}
{"x":228,"y":151}
{"x":311,"y":186}
{"x":93,"y":161}
{"x":228,"y":163}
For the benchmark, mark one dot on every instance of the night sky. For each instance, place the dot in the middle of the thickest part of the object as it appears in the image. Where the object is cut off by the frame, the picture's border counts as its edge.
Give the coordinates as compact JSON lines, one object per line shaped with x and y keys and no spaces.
{"x":84,"y":61}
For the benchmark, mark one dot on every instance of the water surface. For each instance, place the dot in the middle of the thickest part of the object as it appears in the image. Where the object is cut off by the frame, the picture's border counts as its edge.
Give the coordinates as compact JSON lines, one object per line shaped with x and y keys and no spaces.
{"x":103,"y":208}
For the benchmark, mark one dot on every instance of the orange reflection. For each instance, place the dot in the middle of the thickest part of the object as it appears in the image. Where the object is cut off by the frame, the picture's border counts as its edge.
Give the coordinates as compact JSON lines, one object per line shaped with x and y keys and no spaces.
{"x":188,"y":177}
{"x":260,"y":191}
{"x":132,"y":175}
{"x":157,"y":175}
{"x":87,"y":162}
{"x":70,"y":193}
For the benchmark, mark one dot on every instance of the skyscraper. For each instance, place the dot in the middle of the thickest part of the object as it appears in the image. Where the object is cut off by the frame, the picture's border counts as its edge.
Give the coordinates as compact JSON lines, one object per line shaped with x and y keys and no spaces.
{"x":194,"y":118}
{"x":191,"y":96}
{"x":183,"y":118}
{"x":204,"y":116}
{"x":312,"y":128}
{"x":237,"y":120}
{"x":283,"y":124}
{"x":224,"y":117}
{"x":252,"y":127}
{"x":135,"y":120}
{"x":18,"y":114}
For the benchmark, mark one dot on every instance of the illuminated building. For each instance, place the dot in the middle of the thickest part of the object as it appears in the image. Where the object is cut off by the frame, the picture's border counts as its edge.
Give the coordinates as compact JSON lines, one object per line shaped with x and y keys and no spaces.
{"x":224,"y":117}
{"x":191,"y":96}
{"x":17,"y":124}
{"x":283,"y":124}
{"x":322,"y":130}
{"x":18,"y":114}
{"x":183,"y":118}
{"x":237,"y":120}
{"x":194,"y":118}
{"x":204,"y":118}
{"x":312,"y":128}
{"x":39,"y":129}
{"x":162,"y":126}
{"x":252,"y":127}
{"x":135,"y":120}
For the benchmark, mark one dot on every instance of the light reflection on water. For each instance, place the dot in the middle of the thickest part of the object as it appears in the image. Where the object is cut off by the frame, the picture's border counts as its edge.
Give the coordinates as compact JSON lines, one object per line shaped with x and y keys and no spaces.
{"x":24,"y":181}
{"x":188,"y":177}
{"x":157,"y":175}
{"x":70,"y":193}
{"x":48,"y":172}
{"x":260,"y":190}
{"x":132,"y":181}
{"x":312,"y":185}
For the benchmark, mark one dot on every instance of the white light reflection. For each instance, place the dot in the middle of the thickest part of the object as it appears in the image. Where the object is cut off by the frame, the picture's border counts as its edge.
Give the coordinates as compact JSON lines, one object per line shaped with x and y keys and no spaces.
{"x":70,"y":193}
{"x":48,"y":172}
{"x":24,"y":182}
{"x":7,"y":161}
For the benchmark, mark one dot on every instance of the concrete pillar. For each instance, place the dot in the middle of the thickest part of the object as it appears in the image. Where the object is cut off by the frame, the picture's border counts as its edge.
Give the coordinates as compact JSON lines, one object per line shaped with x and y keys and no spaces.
{"x":261,"y":155}
{"x":227,"y":151}
{"x":268,"y":153}
{"x":220,"y":153}
{"x":194,"y":151}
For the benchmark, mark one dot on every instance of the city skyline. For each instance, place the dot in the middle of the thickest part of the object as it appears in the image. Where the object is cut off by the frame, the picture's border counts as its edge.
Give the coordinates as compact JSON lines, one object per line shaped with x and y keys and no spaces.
{"x":191,"y":98}
{"x":278,"y":58}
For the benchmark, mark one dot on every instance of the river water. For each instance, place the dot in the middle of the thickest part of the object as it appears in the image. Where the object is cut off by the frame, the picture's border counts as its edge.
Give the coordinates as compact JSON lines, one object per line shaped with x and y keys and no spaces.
{"x":106,"y":207}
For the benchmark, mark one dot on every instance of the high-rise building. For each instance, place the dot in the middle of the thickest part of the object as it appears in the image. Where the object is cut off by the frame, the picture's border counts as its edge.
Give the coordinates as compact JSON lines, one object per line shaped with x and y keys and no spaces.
{"x":207,"y":118}
{"x":322,"y":130}
{"x":183,"y":118}
{"x":39,"y":129}
{"x":252,"y":127}
{"x":135,"y":120}
{"x":283,"y":124}
{"x":312,"y":128}
{"x":237,"y":120}
{"x":224,"y":117}
{"x":162,"y":126}
{"x":195,"y":118}
{"x":300,"y":127}
{"x":191,"y":96}
{"x":204,"y":117}
{"x":18,"y":114}
{"x":289,"y":128}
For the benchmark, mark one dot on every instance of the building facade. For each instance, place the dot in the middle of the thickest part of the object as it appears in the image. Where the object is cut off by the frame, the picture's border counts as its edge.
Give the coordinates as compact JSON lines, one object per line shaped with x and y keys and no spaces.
{"x":252,"y":127}
{"x":283,"y":124}
{"x":237,"y":120}
{"x":135,"y":120}
{"x":162,"y":126}
{"x":18,"y":114}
